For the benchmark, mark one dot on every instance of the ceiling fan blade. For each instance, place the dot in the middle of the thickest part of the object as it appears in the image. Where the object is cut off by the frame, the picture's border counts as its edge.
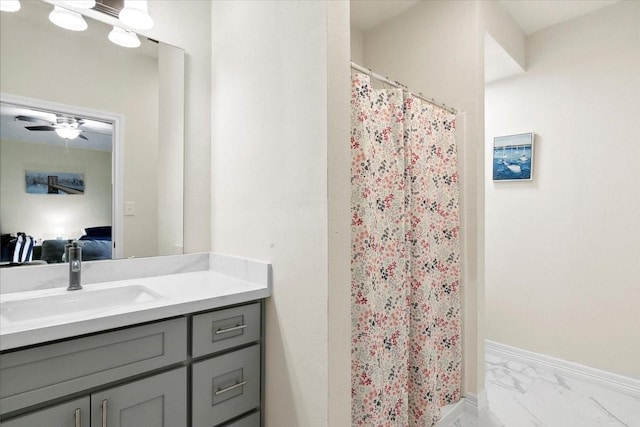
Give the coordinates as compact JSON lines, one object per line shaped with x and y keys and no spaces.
{"x":40,"y":127}
{"x":97,"y":133}
{"x":30,"y":119}
{"x":83,"y":137}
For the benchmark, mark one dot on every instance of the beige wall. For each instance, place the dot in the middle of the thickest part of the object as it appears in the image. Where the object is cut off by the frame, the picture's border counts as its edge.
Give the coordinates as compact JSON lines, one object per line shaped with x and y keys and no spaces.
{"x":504,"y":30}
{"x":278,"y":115}
{"x":39,"y":215}
{"x":339,"y":210}
{"x":357,"y":46}
{"x":562,"y":251}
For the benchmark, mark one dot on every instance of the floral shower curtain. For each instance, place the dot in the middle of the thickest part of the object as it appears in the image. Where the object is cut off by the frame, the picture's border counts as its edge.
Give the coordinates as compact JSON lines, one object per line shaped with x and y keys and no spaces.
{"x":406,"y":328}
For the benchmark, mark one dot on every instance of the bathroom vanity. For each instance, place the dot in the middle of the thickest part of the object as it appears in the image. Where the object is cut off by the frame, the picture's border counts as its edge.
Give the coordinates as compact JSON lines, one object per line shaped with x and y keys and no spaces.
{"x":181,"y":349}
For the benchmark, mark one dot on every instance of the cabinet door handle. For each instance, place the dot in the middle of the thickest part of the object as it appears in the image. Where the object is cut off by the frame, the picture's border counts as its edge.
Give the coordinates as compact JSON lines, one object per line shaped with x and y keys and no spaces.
{"x":233,"y":328}
{"x":105,"y":408}
{"x":219,"y":391}
{"x":77,"y":417}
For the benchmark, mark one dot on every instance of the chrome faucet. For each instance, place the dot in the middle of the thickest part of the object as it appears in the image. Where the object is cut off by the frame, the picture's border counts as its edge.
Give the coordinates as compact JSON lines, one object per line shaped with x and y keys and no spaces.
{"x":74,"y":256}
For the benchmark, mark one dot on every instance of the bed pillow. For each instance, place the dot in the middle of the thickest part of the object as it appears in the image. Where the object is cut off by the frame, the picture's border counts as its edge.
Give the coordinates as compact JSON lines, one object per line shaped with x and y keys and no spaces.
{"x":104,"y":231}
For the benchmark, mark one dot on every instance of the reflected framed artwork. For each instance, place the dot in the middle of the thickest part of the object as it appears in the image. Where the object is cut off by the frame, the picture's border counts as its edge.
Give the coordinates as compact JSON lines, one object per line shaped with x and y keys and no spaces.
{"x":513,"y":157}
{"x":54,"y":182}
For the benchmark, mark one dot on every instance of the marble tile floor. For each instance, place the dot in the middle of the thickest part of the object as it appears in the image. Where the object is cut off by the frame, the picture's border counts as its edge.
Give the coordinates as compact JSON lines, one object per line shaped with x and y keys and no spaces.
{"x":521,"y":396}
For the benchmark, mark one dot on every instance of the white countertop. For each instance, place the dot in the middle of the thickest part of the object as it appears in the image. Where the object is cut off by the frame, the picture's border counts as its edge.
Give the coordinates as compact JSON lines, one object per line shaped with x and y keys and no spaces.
{"x":175,"y":295}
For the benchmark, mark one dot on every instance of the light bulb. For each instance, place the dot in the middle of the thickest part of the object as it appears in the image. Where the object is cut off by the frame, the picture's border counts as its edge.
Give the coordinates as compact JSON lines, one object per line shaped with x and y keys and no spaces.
{"x":67,"y":19}
{"x":9,"y":5}
{"x":68,"y":132}
{"x":124,"y":38}
{"x":135,"y":15}
{"x":80,"y":4}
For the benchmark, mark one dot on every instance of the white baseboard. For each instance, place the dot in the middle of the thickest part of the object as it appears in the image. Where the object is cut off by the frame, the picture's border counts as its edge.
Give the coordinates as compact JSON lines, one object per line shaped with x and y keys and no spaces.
{"x":587,"y":374}
{"x":451,"y":413}
{"x":476,"y":405}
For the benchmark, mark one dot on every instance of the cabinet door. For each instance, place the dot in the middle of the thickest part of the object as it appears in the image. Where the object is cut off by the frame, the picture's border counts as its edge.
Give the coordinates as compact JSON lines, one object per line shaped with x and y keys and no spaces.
{"x":69,"y":414}
{"x":156,"y":401}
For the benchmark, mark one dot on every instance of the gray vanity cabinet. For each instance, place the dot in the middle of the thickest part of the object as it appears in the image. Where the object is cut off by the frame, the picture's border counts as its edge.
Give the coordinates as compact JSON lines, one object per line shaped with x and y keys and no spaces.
{"x":201,"y":370}
{"x":68,"y":414}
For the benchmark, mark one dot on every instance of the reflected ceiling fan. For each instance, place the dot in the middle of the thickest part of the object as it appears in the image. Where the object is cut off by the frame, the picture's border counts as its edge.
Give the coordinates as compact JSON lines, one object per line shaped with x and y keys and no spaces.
{"x":65,"y":127}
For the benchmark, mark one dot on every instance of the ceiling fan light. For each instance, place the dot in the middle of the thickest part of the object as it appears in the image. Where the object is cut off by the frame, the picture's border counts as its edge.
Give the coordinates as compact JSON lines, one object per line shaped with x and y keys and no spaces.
{"x":135,"y":15}
{"x":68,"y":132}
{"x":9,"y":5}
{"x":124,"y":38}
{"x":67,"y":19}
{"x":79,"y":4}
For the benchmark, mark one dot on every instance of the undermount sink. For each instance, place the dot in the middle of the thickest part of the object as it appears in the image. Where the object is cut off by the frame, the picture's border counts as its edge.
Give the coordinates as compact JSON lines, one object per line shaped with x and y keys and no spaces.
{"x":70,"y":303}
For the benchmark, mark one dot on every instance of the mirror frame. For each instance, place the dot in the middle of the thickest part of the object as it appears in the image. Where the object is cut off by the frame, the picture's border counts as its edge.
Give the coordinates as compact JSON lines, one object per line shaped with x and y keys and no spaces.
{"x":117,"y":158}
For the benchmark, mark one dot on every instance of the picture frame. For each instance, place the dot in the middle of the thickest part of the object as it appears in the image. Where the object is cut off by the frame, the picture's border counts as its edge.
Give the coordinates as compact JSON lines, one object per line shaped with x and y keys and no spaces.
{"x":42,"y":182}
{"x":513,"y":157}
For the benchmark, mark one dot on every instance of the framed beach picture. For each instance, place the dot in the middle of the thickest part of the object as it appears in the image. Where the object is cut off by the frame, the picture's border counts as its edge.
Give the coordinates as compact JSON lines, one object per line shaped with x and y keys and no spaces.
{"x":513,"y":157}
{"x":54,"y":182}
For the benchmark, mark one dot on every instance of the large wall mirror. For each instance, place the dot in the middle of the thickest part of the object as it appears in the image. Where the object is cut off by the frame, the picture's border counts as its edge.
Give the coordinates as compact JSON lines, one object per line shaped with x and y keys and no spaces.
{"x":127,"y":159}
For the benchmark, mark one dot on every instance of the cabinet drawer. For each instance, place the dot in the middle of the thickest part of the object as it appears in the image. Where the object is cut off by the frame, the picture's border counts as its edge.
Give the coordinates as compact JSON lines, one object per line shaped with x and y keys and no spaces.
{"x":63,"y":414}
{"x":226,"y":386}
{"x":47,"y":372}
{"x":223,"y":329}
{"x":252,"y":420}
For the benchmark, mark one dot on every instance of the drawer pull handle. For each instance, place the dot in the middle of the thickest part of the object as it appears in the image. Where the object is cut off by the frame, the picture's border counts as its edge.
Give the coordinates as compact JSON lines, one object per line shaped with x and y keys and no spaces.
{"x":226,"y":330}
{"x":105,"y":408}
{"x":219,"y":391}
{"x":78,"y":418}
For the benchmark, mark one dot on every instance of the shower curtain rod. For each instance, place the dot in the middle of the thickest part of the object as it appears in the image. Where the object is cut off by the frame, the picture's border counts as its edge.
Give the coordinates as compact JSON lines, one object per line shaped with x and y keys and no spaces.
{"x":395,"y":84}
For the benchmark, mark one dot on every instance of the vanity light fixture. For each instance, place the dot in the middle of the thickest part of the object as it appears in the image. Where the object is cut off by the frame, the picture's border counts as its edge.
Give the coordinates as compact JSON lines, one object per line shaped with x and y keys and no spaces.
{"x":135,"y":14}
{"x":80,"y":4}
{"x":67,"y":19}
{"x":124,"y":38}
{"x":9,"y":5}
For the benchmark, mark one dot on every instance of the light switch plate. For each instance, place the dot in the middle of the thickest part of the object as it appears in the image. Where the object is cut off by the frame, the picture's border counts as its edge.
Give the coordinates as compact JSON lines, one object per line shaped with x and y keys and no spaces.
{"x":129,"y":208}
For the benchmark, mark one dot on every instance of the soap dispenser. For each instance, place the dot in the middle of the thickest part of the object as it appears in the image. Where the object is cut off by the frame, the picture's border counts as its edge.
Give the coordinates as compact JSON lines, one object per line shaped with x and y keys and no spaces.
{"x":74,"y":252}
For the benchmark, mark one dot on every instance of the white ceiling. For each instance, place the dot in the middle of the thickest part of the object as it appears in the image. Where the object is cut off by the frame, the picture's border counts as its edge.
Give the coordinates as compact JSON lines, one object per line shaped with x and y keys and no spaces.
{"x":366,"y":14}
{"x":530,"y":15}
{"x":536,"y":15}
